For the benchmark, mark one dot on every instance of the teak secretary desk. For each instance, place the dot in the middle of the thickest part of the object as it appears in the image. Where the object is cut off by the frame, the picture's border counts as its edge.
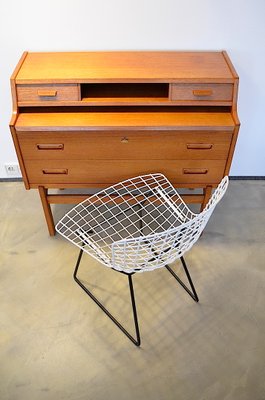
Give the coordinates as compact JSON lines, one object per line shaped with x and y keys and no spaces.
{"x":91,"y":119}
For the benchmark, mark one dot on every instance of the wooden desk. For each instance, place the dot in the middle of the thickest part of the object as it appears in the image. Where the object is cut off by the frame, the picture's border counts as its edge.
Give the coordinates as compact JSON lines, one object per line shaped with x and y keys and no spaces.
{"x":83,"y":120}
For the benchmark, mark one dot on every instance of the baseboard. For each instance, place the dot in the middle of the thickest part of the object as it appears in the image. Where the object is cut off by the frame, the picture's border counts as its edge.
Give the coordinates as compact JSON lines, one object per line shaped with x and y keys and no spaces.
{"x":232,"y":178}
{"x":247,"y":178}
{"x":11,"y":180}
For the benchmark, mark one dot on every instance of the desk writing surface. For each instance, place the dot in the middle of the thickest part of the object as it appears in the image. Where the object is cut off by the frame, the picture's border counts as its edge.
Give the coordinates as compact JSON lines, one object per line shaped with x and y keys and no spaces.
{"x":65,"y":121}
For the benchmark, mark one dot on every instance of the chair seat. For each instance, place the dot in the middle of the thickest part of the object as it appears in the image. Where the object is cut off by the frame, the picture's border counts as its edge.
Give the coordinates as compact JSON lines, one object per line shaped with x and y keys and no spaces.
{"x":136,"y":208}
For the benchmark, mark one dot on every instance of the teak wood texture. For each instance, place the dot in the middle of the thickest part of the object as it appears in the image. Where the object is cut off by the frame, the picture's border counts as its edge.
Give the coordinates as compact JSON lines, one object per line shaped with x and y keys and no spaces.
{"x":90,"y":119}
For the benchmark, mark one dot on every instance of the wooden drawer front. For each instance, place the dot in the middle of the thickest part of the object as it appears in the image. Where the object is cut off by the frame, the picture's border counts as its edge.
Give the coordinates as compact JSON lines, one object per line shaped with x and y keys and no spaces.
{"x":110,"y":171}
{"x":200,"y":92}
{"x":44,"y":93}
{"x":125,"y":145}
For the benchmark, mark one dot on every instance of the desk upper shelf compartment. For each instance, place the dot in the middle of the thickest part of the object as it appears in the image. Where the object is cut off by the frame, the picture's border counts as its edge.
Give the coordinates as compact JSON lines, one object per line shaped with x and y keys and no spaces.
{"x":127,"y":78}
{"x":124,"y":92}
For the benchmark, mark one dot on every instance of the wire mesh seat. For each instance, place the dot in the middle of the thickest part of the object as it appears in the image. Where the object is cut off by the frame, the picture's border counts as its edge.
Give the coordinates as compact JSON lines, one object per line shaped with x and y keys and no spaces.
{"x":135,"y":226}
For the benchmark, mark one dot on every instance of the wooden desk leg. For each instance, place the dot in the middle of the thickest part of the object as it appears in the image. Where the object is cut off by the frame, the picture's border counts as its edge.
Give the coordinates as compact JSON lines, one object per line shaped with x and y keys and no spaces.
{"x":207,"y":192}
{"x":47,"y":210}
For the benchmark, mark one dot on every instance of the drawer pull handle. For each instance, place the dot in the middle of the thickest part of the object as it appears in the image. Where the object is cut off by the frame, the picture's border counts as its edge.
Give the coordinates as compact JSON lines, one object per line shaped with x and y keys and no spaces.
{"x":55,"y":171}
{"x":199,"y":146}
{"x":195,"y":171}
{"x":50,"y":146}
{"x":124,"y":140}
{"x":202,"y":93}
{"x":47,"y":93}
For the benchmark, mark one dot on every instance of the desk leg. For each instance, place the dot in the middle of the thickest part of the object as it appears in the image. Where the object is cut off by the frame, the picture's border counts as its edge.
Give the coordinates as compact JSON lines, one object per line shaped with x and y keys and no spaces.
{"x":207,"y":192}
{"x":47,"y":210}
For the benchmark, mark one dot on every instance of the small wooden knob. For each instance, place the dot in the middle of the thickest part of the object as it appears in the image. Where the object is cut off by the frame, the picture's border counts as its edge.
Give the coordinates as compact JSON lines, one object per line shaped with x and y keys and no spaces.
{"x":55,"y":171}
{"x":50,"y":146}
{"x":47,"y":93}
{"x":202,"y":93}
{"x":199,"y":146}
{"x":195,"y":171}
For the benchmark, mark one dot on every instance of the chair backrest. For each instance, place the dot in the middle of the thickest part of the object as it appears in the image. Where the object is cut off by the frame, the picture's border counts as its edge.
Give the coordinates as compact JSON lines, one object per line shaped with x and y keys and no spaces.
{"x":153,"y":251}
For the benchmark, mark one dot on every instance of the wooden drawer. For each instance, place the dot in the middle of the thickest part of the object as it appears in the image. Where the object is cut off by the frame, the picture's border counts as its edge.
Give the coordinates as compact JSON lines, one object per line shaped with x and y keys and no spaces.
{"x":110,"y":171}
{"x":159,"y":145}
{"x":200,"y":92}
{"x":44,"y":93}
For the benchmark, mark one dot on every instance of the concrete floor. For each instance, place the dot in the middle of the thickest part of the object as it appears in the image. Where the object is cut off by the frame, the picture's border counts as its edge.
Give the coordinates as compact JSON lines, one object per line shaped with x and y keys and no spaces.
{"x":55,"y":343}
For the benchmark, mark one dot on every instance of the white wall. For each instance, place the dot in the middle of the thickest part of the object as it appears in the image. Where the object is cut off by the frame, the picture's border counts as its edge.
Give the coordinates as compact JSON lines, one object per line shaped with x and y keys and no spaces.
{"x":59,"y":25}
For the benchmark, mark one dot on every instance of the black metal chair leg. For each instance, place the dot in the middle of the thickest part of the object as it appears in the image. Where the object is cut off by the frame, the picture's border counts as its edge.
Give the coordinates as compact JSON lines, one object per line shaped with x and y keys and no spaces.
{"x":136,"y":341}
{"x":137,"y":331}
{"x":191,"y":292}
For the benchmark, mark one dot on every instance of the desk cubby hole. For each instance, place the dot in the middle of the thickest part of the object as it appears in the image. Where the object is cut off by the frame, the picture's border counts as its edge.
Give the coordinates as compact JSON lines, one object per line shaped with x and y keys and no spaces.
{"x":116,"y":91}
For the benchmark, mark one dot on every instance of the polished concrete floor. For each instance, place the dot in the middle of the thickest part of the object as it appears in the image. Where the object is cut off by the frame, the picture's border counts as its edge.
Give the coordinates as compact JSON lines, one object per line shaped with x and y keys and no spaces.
{"x":55,"y":343}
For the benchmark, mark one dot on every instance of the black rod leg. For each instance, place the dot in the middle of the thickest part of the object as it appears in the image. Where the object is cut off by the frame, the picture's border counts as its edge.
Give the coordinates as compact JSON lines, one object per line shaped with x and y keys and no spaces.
{"x":191,"y":292}
{"x":136,"y":341}
{"x":196,"y":298}
{"x":78,"y":263}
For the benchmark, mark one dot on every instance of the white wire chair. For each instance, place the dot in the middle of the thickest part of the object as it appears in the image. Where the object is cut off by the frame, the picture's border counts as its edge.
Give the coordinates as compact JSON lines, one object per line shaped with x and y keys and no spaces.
{"x":134,"y":226}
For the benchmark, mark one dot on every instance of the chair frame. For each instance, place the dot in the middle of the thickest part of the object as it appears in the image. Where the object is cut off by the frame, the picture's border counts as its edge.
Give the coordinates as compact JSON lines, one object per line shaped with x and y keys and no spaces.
{"x":137,"y":339}
{"x":141,"y":202}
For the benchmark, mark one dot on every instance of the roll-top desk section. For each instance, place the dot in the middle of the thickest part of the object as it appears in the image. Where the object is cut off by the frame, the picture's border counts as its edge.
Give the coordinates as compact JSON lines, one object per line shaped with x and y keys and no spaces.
{"x":88,"y":120}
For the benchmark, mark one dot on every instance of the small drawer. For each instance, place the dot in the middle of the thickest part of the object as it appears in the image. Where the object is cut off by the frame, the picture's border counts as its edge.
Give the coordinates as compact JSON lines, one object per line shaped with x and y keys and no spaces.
{"x":47,"y":93}
{"x":200,"y":92}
